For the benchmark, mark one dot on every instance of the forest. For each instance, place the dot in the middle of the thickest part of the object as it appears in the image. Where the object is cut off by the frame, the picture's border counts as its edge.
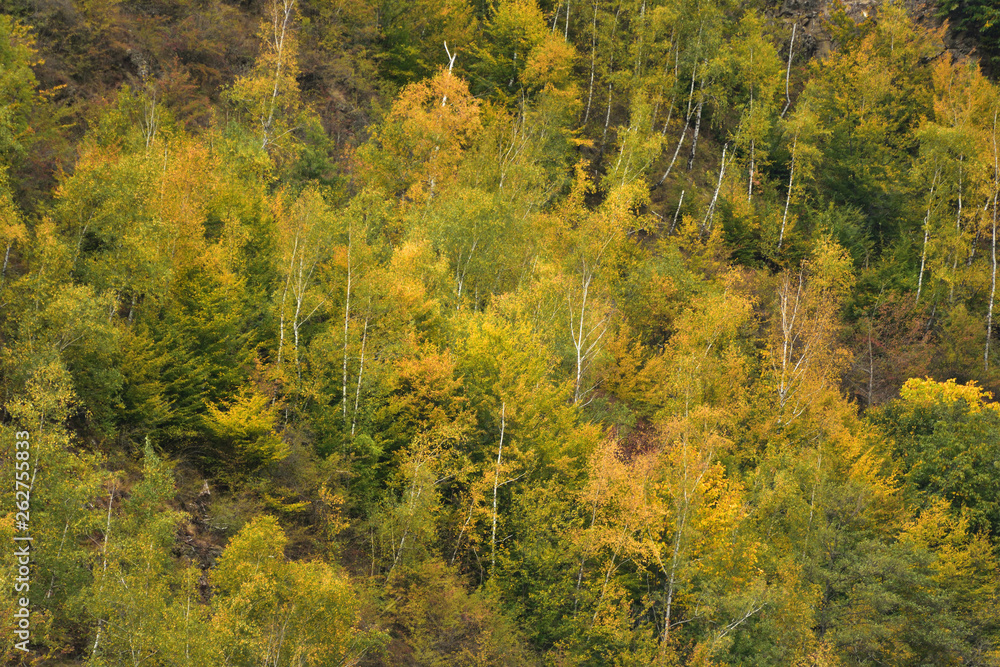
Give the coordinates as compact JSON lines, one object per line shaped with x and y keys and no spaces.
{"x":499,"y":333}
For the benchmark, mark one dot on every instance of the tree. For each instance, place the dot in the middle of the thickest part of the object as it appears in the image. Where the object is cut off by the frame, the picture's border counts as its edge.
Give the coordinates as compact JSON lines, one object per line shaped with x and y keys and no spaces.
{"x":414,"y":35}
{"x":804,"y":130}
{"x":595,"y":240}
{"x":12,"y":230}
{"x":167,"y":623}
{"x":441,"y":623}
{"x":17,"y":89}
{"x":951,"y":160}
{"x":305,"y":238}
{"x":942,"y":438}
{"x":63,"y":487}
{"x":201,"y":353}
{"x":418,"y":146}
{"x":245,"y":431}
{"x":870,"y":97}
{"x":514,"y":39}
{"x":803,"y":356}
{"x":756,"y":71}
{"x":269,"y":95}
{"x":283,"y":613}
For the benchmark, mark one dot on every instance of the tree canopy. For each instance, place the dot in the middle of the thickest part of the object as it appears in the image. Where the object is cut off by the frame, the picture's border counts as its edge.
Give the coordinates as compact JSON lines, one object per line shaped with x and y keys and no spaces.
{"x":527,"y":332}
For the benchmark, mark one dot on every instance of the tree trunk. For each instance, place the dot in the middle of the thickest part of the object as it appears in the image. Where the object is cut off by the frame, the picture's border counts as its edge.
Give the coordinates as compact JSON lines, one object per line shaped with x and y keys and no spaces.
{"x":496,"y":485}
{"x":993,"y":247}
{"x":788,"y":198}
{"x":927,"y":233}
{"x":676,"y":213}
{"x":296,"y":326}
{"x":284,"y":296}
{"x":753,"y":143}
{"x":593,"y":65}
{"x":451,"y":64}
{"x":687,"y":123}
{"x":578,"y":340}
{"x":584,"y":342}
{"x":347,"y":318}
{"x":611,"y":69}
{"x":707,"y":224}
{"x":279,"y":47}
{"x":958,"y":233}
{"x":788,"y":71}
{"x":607,"y":119}
{"x":871,"y":365}
{"x":6,"y":258}
{"x":671,"y":581}
{"x":789,"y":315}
{"x":361,"y":370}
{"x":673,"y":96}
{"x":697,"y":121}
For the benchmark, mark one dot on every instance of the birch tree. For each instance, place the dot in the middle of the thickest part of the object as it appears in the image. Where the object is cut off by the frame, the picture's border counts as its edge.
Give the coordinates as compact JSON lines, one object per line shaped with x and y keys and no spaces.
{"x":803,"y":132}
{"x":271,"y":611}
{"x":133,"y":628}
{"x":595,"y":237}
{"x":419,"y":145}
{"x":305,"y":238}
{"x":755,"y":67}
{"x":269,"y":94}
{"x":993,"y":245}
{"x":803,"y":356}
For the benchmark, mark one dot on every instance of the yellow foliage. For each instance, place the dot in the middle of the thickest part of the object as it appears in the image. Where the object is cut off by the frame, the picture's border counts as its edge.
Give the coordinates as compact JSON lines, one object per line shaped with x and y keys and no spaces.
{"x":270,"y":93}
{"x":928,"y":392}
{"x":269,"y":610}
{"x":247,"y":425}
{"x":421,"y":142}
{"x":550,"y":63}
{"x":12,"y":229}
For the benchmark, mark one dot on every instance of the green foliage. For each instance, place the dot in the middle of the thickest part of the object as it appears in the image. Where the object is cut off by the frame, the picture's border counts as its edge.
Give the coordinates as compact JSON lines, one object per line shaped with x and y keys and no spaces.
{"x":514,"y":33}
{"x":871,"y":98}
{"x":414,"y":34}
{"x":441,"y":624}
{"x":976,"y":18}
{"x":61,"y":513}
{"x":17,"y":89}
{"x":245,"y":431}
{"x":167,"y":617}
{"x":200,"y":354}
{"x":945,"y":436}
{"x":269,"y":95}
{"x":584,"y":339}
{"x":287,"y":613}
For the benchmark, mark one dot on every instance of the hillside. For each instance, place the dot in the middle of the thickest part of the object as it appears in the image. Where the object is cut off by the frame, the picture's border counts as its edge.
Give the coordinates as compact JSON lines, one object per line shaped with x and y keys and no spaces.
{"x":453,"y":332}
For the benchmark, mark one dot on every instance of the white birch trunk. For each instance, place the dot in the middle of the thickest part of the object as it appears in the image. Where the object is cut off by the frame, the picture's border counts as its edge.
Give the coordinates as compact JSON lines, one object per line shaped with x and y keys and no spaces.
{"x":927,"y":234}
{"x":593,"y":65}
{"x":707,"y":224}
{"x":697,"y":122}
{"x":993,"y":247}
{"x":347,"y":319}
{"x":285,"y":13}
{"x":496,"y":485}
{"x":687,"y":123}
{"x":361,"y":370}
{"x":788,"y":198}
{"x":788,"y":71}
{"x":677,"y":214}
